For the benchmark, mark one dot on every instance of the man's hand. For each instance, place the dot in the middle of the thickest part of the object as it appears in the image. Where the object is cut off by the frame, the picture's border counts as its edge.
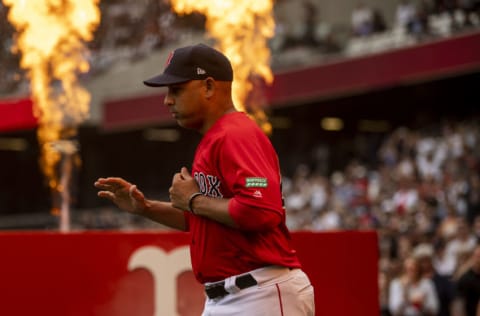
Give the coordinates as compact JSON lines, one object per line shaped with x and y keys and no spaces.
{"x":183,"y":186}
{"x":124,"y":194}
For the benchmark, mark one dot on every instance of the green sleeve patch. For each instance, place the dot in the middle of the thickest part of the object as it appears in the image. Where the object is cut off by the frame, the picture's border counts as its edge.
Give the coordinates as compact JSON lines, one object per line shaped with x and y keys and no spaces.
{"x":256,"y":182}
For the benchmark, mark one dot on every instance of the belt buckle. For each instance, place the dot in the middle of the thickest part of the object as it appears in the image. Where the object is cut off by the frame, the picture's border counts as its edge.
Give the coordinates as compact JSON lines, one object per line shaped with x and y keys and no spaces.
{"x":245,"y":281}
{"x":216,"y":290}
{"x":219,"y":289}
{"x":212,"y":285}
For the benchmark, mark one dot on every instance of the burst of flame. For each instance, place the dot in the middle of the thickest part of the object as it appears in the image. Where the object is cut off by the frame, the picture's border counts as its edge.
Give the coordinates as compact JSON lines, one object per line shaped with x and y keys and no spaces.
{"x":241,"y":29}
{"x":50,"y":37}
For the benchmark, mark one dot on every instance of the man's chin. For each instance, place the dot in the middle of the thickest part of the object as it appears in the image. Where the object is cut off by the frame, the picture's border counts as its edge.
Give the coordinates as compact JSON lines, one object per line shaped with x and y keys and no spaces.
{"x":184,"y":123}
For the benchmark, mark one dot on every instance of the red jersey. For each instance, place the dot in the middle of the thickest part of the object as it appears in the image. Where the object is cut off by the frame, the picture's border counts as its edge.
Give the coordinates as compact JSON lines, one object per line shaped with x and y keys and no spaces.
{"x":236,"y":160}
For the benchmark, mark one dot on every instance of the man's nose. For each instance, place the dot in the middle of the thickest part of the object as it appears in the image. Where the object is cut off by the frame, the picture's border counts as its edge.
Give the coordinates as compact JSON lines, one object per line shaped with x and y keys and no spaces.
{"x":168,"y":100}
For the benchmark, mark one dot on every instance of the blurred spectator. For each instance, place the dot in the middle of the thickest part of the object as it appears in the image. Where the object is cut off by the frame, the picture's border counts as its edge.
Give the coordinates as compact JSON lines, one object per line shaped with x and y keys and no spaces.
{"x":441,"y":22}
{"x":468,"y":287}
{"x":405,"y":14}
{"x":411,"y":293}
{"x":319,"y":193}
{"x":327,"y":220}
{"x":297,"y":200}
{"x":462,"y":244}
{"x":476,"y":228}
{"x":406,"y":197}
{"x":444,"y":287}
{"x":309,"y":37}
{"x":429,"y":161}
{"x":362,"y":20}
{"x":314,"y":33}
{"x":445,"y":5}
{"x":448,"y":226}
{"x":384,"y":280}
{"x":443,"y":263}
{"x":430,"y":191}
{"x":405,"y":168}
{"x":467,"y":9}
{"x":425,"y":8}
{"x":379,"y":24}
{"x":473,"y":200}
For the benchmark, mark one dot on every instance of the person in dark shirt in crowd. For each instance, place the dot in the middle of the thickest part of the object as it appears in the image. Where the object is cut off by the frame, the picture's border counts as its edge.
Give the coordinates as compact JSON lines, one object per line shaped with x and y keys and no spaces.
{"x":468,"y":287}
{"x":443,"y":285}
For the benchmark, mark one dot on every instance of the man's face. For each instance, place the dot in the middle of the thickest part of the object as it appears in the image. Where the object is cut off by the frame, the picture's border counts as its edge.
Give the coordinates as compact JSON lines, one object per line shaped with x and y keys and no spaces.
{"x":186,"y":103}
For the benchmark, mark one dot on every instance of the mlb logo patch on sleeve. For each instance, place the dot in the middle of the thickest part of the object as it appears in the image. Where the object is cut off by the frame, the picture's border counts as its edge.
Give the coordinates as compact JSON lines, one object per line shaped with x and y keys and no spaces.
{"x":256,"y":182}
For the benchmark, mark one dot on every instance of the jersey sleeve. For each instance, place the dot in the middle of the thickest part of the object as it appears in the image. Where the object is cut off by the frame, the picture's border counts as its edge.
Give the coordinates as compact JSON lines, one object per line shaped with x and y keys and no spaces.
{"x":250,"y":169}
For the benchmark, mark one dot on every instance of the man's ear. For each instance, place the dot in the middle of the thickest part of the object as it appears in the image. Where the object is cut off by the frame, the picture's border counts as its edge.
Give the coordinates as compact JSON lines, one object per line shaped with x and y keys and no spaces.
{"x":209,"y":87}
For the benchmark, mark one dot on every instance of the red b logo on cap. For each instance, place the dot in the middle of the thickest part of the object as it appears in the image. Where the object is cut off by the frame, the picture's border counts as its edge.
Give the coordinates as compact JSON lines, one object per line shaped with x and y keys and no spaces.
{"x":169,"y":58}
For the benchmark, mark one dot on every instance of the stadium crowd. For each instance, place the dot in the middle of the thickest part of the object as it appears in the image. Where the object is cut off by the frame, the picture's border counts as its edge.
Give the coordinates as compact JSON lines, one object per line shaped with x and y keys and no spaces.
{"x":423,"y":199}
{"x":130,"y":30}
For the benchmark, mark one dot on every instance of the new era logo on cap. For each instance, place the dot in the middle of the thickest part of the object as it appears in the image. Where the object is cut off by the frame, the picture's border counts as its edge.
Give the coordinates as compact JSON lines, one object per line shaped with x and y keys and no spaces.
{"x":195,"y":62}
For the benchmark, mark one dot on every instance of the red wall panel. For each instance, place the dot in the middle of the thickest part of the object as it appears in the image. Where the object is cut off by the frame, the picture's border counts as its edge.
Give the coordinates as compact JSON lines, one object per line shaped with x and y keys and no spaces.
{"x":116,"y":273}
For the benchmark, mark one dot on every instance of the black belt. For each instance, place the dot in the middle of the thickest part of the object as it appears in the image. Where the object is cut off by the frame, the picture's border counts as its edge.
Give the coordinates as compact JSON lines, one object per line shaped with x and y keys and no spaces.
{"x":217,"y":289}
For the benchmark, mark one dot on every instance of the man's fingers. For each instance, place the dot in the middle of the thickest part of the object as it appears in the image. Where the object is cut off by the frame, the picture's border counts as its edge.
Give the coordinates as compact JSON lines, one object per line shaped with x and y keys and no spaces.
{"x":135,"y":193}
{"x":185,"y":173}
{"x":101,"y":186}
{"x":182,"y":175}
{"x":107,"y":195}
{"x":177,"y":177}
{"x":111,"y":184}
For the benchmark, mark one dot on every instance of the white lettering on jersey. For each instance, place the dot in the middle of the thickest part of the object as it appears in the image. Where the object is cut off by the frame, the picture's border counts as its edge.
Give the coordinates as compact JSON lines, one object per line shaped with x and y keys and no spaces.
{"x":209,"y":185}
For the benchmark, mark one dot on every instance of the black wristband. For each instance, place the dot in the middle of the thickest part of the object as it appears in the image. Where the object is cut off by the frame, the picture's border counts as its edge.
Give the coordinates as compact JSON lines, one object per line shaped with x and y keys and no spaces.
{"x":190,"y":201}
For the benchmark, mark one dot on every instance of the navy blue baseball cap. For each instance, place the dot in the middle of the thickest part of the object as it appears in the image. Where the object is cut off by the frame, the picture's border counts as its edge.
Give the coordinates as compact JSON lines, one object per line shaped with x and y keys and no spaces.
{"x":195,"y":62}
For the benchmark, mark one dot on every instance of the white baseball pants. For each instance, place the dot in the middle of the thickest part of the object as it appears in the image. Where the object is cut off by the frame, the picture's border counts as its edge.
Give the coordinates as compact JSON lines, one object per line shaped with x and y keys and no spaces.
{"x":279,"y":292}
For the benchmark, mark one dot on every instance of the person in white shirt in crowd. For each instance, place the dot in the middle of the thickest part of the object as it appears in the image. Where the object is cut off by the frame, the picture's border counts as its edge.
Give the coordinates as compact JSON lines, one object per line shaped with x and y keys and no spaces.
{"x":444,"y":286}
{"x":431,"y":154}
{"x":406,"y":167}
{"x":405,"y":14}
{"x":448,"y":250}
{"x":463,"y":243}
{"x":412,"y":294}
{"x":362,"y":20}
{"x":405,"y":199}
{"x":429,"y":165}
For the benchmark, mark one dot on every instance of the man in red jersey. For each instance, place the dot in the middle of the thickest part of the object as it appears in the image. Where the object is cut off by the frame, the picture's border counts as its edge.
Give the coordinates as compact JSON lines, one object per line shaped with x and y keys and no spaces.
{"x":231,"y":203}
